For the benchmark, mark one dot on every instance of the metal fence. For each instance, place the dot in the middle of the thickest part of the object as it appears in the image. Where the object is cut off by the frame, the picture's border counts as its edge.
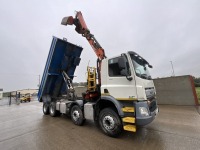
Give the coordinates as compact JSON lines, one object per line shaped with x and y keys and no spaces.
{"x":8,"y":101}
{"x":13,"y":100}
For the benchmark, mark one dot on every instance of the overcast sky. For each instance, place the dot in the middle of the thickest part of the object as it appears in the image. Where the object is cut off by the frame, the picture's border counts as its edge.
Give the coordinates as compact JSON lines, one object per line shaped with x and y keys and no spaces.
{"x":160,"y":31}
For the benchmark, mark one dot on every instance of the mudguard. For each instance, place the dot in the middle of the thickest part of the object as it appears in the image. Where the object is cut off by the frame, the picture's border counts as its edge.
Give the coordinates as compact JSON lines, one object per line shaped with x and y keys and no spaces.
{"x":117,"y":104}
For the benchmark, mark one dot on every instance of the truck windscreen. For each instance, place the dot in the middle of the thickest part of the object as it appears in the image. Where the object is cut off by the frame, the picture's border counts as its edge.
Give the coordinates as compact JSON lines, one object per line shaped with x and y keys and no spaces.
{"x":141,"y":67}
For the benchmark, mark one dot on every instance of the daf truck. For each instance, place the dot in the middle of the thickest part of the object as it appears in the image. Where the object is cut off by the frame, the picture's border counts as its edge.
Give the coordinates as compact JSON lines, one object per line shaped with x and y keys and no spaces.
{"x":120,"y":92}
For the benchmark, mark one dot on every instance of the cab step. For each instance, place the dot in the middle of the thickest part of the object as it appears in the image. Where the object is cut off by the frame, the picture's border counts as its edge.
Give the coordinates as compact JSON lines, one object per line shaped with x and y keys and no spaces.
{"x":128,"y":109}
{"x":128,"y":119}
{"x":131,"y":128}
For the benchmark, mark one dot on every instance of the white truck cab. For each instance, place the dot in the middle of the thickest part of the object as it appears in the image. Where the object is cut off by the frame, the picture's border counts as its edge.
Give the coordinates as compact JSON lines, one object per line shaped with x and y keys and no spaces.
{"x":126,"y":78}
{"x":135,"y":83}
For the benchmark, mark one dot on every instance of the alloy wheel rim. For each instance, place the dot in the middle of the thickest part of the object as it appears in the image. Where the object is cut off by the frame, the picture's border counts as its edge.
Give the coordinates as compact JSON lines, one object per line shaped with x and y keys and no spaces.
{"x":76,"y":115}
{"x":108,"y":122}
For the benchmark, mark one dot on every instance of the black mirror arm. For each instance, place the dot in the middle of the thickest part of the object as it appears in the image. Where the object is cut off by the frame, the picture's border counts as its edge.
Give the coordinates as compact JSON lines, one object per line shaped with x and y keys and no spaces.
{"x":129,"y":78}
{"x":124,"y":73}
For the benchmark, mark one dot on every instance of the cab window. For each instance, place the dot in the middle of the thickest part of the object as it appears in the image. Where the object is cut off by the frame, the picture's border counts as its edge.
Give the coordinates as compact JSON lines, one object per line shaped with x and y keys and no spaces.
{"x":113,"y":67}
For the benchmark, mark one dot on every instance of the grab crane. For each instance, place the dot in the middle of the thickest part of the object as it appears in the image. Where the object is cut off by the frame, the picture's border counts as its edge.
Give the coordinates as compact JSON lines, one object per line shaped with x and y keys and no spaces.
{"x":81,"y":28}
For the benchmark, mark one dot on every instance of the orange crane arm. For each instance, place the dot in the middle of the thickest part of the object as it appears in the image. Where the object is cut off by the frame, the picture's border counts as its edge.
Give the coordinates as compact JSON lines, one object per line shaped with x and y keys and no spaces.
{"x":82,"y":28}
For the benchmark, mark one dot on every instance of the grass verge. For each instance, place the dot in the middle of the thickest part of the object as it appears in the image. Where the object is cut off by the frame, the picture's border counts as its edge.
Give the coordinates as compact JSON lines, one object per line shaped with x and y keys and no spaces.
{"x":198,"y":93}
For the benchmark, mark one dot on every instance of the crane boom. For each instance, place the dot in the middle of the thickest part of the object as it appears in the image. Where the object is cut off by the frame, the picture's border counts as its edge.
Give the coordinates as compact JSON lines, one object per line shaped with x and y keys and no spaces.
{"x":82,"y":28}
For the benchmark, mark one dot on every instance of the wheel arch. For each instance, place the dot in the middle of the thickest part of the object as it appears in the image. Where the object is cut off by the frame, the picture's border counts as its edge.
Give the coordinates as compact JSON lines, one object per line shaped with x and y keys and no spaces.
{"x":108,"y":101}
{"x":77,"y":102}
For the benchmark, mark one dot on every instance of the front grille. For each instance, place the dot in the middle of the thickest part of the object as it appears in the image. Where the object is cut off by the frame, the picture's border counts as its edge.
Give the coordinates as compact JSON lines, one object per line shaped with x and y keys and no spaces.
{"x":152,"y":106}
{"x":150,"y":92}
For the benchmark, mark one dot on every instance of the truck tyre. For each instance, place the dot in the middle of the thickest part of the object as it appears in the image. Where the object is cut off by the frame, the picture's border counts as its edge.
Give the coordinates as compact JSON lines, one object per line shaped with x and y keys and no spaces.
{"x":45,"y":108}
{"x":77,"y":115}
{"x":110,"y":122}
{"x":52,"y":110}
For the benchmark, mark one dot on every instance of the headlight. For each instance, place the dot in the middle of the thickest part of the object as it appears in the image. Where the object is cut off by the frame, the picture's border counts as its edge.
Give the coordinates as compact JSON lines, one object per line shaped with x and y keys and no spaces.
{"x":143,"y":111}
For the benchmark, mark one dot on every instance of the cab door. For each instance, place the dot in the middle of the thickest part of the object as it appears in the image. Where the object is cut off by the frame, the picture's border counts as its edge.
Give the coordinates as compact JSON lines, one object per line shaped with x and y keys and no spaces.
{"x":120,"y":82}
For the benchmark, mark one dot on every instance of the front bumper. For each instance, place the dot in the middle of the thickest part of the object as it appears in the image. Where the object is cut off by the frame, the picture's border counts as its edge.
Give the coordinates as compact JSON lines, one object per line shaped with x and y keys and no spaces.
{"x":144,"y":120}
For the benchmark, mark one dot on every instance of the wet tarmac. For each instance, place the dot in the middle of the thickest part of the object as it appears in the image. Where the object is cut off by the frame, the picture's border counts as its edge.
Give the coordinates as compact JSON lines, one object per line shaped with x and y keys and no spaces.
{"x":24,"y":127}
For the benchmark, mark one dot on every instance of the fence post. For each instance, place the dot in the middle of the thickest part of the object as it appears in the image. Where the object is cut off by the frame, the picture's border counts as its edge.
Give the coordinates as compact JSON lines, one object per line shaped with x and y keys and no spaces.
{"x":16,"y":96}
{"x":10,"y":99}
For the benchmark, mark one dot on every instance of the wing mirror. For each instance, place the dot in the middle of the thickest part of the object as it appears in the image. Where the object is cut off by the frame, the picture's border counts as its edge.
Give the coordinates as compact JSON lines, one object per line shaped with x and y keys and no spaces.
{"x":121,"y":63}
{"x":124,"y":72}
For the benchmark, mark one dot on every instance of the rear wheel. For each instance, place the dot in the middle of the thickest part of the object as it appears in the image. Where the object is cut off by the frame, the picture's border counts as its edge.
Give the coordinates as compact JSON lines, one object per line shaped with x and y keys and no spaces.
{"x":110,"y":122}
{"x":77,"y":115}
{"x":52,"y":110}
{"x":45,"y":108}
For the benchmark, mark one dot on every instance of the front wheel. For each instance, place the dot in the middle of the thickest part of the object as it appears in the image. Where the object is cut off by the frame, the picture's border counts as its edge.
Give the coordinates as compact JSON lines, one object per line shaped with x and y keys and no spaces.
{"x":77,"y":115}
{"x":110,"y":122}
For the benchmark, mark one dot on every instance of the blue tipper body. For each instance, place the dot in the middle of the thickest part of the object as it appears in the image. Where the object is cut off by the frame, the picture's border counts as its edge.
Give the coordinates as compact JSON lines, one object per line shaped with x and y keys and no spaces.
{"x":63,"y":56}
